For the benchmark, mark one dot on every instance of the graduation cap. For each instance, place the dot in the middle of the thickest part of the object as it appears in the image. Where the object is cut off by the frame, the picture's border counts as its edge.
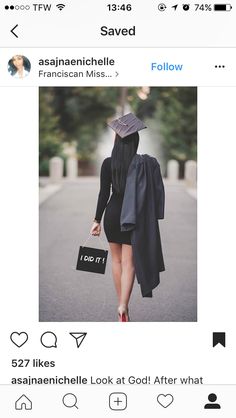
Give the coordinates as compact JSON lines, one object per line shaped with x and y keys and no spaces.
{"x":127,"y":125}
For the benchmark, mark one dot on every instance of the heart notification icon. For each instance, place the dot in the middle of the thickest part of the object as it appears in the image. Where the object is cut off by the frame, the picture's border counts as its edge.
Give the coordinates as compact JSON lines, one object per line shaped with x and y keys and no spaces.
{"x":19,"y":338}
{"x":165,"y":400}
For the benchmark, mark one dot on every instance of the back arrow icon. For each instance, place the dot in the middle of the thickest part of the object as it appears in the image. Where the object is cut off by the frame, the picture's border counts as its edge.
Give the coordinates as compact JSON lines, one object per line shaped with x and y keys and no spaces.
{"x":12,"y":31}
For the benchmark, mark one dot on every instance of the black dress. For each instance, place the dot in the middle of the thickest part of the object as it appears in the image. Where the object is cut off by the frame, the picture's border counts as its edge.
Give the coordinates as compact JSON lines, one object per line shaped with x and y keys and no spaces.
{"x":113,"y":207}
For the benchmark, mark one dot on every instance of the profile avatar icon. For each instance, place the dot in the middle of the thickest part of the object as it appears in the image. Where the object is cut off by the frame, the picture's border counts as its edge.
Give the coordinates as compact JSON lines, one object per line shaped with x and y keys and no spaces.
{"x":212,"y":398}
{"x":19,"y":66}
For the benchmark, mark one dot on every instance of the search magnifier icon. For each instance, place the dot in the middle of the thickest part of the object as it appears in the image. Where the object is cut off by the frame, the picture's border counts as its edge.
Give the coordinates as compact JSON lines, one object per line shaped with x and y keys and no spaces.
{"x":70,"y":400}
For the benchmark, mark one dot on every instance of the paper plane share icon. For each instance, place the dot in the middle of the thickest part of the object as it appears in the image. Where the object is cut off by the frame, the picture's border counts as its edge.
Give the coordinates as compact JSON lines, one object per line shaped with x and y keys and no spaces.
{"x":79,"y":337}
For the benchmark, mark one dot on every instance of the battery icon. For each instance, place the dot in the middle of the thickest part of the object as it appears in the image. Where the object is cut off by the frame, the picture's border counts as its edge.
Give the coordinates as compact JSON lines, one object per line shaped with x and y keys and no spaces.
{"x":222,"y":7}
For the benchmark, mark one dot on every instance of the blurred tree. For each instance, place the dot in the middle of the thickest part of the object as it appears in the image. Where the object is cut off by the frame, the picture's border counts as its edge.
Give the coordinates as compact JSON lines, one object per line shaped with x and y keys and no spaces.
{"x":83,"y":114}
{"x":50,"y":137}
{"x":175,"y":111}
{"x":80,"y":114}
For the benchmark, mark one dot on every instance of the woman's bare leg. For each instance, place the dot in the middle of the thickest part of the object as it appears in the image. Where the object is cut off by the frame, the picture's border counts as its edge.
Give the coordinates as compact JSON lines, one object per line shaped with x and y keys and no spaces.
{"x":127,"y":276}
{"x":116,"y":267}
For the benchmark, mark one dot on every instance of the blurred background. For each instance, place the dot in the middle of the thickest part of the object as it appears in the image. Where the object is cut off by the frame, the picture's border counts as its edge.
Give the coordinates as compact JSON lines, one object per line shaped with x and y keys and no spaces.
{"x":78,"y":116}
{"x":73,"y":141}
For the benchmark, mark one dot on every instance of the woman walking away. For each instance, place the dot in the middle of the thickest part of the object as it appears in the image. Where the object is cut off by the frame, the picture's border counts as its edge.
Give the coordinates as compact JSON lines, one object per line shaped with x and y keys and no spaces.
{"x":131,"y":177}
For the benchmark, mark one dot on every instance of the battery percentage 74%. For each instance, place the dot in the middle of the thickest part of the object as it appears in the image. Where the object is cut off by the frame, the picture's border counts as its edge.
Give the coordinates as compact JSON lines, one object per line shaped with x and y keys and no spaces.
{"x":203,"y":7}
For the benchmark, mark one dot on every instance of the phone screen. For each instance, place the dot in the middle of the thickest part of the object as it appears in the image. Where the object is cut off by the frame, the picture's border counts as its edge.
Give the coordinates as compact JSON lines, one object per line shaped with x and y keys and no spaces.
{"x":117,"y":209}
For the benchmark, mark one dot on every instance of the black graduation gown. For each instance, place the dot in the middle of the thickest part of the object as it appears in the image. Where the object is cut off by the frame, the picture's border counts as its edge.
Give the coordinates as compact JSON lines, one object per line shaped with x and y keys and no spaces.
{"x":143,"y":205}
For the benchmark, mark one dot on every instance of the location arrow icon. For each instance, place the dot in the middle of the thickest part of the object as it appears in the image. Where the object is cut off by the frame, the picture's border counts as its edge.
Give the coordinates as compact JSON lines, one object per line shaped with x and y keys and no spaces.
{"x":175,"y":7}
{"x":79,"y":337}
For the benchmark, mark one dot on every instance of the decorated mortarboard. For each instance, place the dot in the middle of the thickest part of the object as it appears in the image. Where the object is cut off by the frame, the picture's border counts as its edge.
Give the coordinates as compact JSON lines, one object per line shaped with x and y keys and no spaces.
{"x":127,"y":125}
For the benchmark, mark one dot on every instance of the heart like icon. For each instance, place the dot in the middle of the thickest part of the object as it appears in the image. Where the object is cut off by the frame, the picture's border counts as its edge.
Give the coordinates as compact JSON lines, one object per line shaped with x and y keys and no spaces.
{"x":19,"y":338}
{"x":165,"y":400}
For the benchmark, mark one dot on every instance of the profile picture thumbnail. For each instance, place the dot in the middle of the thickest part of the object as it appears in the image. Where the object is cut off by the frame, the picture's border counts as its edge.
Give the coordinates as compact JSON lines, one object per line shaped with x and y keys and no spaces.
{"x":19,"y":66}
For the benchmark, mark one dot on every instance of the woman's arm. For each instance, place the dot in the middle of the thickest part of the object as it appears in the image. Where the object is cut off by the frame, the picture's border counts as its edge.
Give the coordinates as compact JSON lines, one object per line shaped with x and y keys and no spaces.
{"x":105,"y":189}
{"x":104,"y":194}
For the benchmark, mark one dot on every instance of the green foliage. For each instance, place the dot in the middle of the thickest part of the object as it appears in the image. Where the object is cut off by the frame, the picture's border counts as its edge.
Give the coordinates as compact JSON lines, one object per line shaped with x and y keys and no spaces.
{"x":80,"y":114}
{"x":50,"y":137}
{"x":83,"y":114}
{"x":178,"y":115}
{"x":175,"y":112}
{"x":44,"y":167}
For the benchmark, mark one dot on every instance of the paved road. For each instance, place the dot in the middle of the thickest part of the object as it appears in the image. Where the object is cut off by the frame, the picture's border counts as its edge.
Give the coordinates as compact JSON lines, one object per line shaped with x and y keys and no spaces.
{"x":70,"y":295}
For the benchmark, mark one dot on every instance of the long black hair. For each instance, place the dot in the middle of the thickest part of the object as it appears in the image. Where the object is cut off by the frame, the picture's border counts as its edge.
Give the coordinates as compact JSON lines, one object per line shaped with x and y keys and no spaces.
{"x":12,"y":68}
{"x":123,"y":151}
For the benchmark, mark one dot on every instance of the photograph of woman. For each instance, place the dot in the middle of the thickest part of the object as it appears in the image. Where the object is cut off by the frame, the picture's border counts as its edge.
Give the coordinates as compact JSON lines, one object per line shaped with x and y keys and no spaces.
{"x":118,"y":204}
{"x":131,"y":213}
{"x":19,"y":66}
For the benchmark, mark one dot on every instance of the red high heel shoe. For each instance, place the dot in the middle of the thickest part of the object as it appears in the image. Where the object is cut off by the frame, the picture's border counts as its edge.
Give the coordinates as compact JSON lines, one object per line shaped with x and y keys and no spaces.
{"x":123,"y":315}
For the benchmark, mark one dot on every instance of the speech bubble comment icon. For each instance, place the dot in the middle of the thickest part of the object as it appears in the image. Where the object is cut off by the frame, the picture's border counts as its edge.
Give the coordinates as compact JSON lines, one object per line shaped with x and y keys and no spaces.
{"x":49,"y":339}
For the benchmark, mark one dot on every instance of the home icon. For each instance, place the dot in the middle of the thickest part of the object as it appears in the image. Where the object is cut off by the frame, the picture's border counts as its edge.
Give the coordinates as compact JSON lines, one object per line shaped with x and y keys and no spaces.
{"x":23,"y":403}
